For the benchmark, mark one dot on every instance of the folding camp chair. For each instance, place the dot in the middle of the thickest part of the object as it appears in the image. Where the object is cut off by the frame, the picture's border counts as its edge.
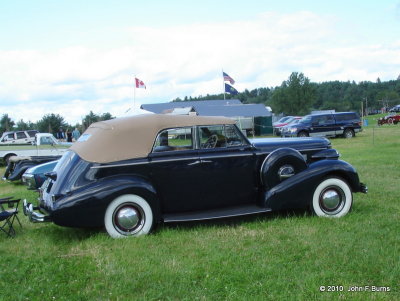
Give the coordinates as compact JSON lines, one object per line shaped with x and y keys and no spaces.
{"x":8,"y":214}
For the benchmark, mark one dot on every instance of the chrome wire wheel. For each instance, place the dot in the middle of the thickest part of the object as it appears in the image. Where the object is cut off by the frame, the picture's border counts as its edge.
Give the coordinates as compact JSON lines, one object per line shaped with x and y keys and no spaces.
{"x":332,"y":198}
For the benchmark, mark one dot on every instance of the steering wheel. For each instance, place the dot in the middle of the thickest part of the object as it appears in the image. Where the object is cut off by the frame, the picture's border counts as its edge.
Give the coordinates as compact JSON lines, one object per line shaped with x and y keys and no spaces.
{"x":211,"y":142}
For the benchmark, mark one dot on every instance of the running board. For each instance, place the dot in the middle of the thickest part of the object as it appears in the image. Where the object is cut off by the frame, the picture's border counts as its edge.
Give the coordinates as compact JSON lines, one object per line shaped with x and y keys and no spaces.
{"x":213,"y":214}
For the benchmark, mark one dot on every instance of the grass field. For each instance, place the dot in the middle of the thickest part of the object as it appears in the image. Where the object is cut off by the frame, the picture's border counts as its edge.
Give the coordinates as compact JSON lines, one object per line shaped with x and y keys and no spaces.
{"x":280,"y":256}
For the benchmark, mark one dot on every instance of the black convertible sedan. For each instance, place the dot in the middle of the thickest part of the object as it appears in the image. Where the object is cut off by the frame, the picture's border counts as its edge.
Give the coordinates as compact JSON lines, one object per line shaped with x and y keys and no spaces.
{"x":128,"y":174}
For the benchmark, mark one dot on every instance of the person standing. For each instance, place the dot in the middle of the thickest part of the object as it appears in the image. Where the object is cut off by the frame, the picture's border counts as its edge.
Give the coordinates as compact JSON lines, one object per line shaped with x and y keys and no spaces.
{"x":76,"y":134}
{"x":60,"y":134}
{"x":68,"y":134}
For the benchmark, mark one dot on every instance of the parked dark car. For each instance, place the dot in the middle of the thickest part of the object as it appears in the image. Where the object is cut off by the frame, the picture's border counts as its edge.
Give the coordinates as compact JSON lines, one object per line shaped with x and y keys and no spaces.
{"x":34,"y":177}
{"x":18,"y":165}
{"x":345,"y":124}
{"x":128,"y":174}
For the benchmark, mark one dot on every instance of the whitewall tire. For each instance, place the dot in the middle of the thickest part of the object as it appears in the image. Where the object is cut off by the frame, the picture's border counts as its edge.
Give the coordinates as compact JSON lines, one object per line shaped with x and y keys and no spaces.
{"x":332,"y":198}
{"x":128,"y":215}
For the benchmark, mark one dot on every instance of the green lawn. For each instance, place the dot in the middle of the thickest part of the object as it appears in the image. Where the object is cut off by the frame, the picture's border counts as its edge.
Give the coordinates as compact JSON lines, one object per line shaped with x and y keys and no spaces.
{"x":276,"y":256}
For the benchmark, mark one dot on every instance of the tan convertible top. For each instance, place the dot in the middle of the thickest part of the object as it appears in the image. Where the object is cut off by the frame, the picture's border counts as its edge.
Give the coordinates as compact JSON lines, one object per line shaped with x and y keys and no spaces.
{"x":132,"y":137}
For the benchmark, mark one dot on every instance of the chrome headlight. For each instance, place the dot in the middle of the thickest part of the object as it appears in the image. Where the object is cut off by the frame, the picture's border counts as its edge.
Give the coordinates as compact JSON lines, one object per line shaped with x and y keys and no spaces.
{"x":293,"y":130}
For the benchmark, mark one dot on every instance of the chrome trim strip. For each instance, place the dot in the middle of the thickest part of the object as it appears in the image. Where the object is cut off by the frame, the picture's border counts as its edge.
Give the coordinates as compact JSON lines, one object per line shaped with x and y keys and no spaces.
{"x":118,"y":165}
{"x":171,"y":220}
{"x":209,"y":156}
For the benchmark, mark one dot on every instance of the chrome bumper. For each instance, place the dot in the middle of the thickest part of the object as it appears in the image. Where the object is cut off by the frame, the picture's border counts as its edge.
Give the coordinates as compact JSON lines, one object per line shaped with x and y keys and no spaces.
{"x":34,"y":217}
{"x":363,"y":188}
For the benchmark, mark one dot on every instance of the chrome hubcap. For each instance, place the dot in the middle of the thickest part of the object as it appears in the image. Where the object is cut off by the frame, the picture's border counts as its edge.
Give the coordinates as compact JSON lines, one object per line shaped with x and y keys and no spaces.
{"x":128,"y":219}
{"x":332,"y":200}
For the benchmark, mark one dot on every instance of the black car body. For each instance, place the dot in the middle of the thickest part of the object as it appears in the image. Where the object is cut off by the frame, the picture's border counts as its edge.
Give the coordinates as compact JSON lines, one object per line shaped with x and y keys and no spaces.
{"x":345,"y":124}
{"x":127,"y":174}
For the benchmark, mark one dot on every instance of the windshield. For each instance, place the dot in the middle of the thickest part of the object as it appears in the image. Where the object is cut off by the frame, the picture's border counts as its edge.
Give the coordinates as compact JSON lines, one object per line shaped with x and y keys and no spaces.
{"x":283,"y":119}
{"x":305,"y":119}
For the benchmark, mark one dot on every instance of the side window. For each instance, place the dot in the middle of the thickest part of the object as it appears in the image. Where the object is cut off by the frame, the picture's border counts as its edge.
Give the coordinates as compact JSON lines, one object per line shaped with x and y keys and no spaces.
{"x":173,"y":140}
{"x":21,"y":135}
{"x":212,"y":136}
{"x":32,"y":133}
{"x":45,"y":141}
{"x":233,"y":137}
{"x":330,"y":119}
{"x":216,"y":136}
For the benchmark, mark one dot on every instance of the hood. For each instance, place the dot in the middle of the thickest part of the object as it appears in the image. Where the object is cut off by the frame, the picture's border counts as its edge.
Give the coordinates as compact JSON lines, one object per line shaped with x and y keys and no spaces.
{"x":300,"y":144}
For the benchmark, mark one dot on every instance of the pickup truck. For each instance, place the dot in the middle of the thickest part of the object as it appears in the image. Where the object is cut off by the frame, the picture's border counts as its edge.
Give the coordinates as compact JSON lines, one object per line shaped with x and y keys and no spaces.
{"x":19,"y":158}
{"x":44,"y":145}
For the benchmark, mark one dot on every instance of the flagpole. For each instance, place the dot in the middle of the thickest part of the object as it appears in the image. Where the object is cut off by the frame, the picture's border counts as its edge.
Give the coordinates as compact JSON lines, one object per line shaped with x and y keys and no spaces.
{"x":223,"y":83}
{"x":134,"y":94}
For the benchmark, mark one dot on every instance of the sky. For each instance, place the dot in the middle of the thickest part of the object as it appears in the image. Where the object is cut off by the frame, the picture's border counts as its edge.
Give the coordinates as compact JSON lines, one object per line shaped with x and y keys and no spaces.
{"x":72,"y":57}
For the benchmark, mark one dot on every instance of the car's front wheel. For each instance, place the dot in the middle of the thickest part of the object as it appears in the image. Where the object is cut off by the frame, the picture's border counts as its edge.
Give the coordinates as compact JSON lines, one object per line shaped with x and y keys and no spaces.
{"x":303,"y":134}
{"x":332,"y":198}
{"x":128,"y":215}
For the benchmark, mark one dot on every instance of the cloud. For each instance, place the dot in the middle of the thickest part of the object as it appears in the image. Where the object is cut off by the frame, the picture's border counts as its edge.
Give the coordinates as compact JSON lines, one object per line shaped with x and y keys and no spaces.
{"x":179,"y":61}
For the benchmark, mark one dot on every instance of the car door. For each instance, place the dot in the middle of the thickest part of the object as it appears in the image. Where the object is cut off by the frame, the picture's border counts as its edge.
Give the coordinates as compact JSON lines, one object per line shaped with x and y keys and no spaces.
{"x":322,"y":125}
{"x":228,"y":167}
{"x":176,"y":170}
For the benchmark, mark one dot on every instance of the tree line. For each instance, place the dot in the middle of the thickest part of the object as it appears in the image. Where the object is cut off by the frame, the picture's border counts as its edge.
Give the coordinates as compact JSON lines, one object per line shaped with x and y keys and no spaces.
{"x":299,"y":96}
{"x":295,"y":96}
{"x":50,"y":123}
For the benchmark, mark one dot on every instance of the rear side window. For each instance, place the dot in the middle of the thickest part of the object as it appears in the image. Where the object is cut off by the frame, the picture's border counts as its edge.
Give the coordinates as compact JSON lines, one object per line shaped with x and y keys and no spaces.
{"x":346,"y":117}
{"x":21,"y":135}
{"x":174,"y":140}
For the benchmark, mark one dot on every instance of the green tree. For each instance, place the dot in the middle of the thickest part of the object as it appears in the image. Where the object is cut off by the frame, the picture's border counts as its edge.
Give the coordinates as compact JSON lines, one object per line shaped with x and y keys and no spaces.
{"x":295,"y":96}
{"x":89,"y":119}
{"x":22,"y":125}
{"x":106,"y":116}
{"x":6,"y":124}
{"x":51,"y":123}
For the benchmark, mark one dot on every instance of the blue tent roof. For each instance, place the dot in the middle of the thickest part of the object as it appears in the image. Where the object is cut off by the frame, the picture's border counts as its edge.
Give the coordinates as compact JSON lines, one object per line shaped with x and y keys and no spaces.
{"x":227,"y":108}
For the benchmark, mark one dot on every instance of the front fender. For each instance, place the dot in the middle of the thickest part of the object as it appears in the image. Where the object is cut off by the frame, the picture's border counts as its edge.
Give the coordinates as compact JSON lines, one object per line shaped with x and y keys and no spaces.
{"x":86,"y":206}
{"x":298,"y":190}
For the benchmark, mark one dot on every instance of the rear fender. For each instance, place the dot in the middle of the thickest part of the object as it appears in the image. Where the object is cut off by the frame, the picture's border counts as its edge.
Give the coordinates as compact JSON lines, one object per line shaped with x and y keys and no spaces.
{"x":86,"y":206}
{"x":297,"y":191}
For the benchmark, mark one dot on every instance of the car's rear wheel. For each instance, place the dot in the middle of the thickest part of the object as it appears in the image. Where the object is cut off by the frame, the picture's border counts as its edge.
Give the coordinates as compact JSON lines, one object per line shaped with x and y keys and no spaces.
{"x":128,"y":215}
{"x":390,"y":120}
{"x":348,"y":133}
{"x":332,"y":198}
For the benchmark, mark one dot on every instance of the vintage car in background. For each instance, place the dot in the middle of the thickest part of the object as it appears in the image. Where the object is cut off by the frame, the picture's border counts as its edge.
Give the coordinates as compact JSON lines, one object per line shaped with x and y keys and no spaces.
{"x":128,"y":174}
{"x":34,"y":177}
{"x":389,"y":119}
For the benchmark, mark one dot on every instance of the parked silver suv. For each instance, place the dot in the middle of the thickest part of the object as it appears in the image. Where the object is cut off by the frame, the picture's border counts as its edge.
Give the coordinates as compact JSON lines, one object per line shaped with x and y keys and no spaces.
{"x":19,"y":137}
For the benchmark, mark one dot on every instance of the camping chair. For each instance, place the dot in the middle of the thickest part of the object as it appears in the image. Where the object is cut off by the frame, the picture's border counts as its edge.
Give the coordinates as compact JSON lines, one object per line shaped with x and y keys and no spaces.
{"x":8,"y":215}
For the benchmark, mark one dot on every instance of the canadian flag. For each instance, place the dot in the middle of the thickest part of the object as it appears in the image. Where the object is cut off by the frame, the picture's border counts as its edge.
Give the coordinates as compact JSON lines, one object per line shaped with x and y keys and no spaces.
{"x":139,"y":83}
